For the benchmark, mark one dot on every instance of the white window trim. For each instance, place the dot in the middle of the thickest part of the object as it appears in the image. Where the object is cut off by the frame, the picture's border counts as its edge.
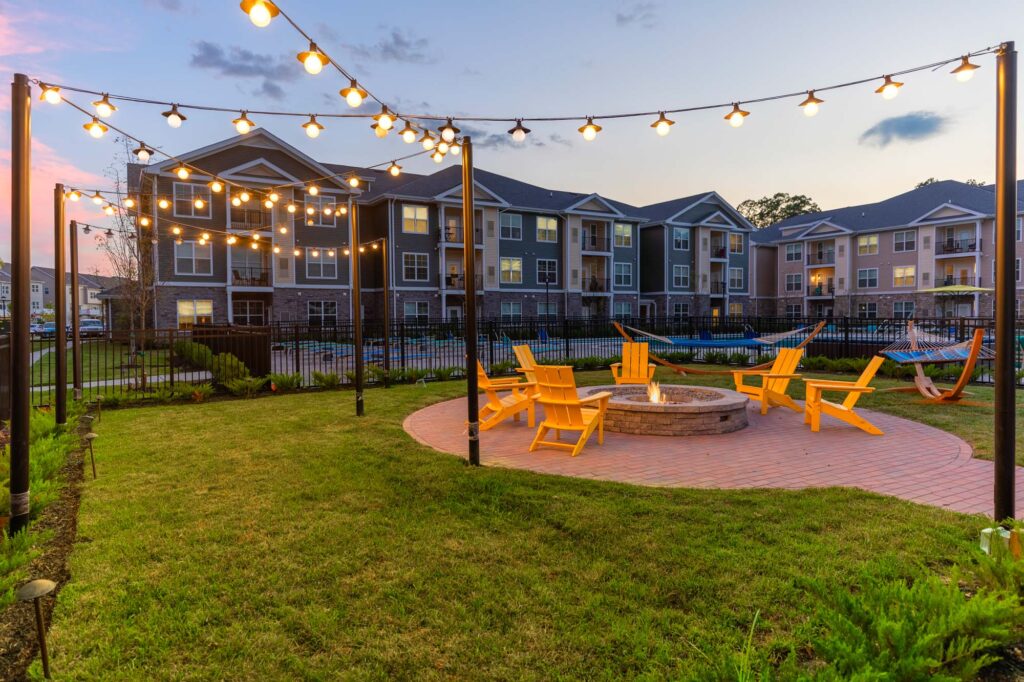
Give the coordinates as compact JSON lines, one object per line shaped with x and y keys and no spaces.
{"x":615,"y":274}
{"x":555,"y":230}
{"x":913,"y":276}
{"x":510,"y":313}
{"x":194,"y":244}
{"x":867,"y":236}
{"x":684,"y":269}
{"x":799,"y":249}
{"x":320,"y":260}
{"x":683,"y":230}
{"x":743,"y":245}
{"x":192,"y":207}
{"x":318,"y":200}
{"x":911,"y":232}
{"x":416,"y":306}
{"x":501,"y":226}
{"x":743,"y":278}
{"x":798,"y":281}
{"x":627,"y":304}
{"x":309,"y":315}
{"x":860,"y":270}
{"x":193,"y":301}
{"x":501,"y":270}
{"x":683,"y":309}
{"x":615,"y":235}
{"x":426,"y":258}
{"x":547,"y":260}
{"x":426,"y":220}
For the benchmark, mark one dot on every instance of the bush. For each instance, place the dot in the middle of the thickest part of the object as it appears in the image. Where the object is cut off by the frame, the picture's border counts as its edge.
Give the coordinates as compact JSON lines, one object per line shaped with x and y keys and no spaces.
{"x":506,"y":367}
{"x":681,"y":357}
{"x":890,"y":630}
{"x":714,"y":357}
{"x":328,"y":380}
{"x":165,"y":394}
{"x":198,"y":392}
{"x":285,"y":383}
{"x":193,"y":354}
{"x":817,"y":363}
{"x":739,"y":358}
{"x":445,"y":373}
{"x":226,"y":367}
{"x":245,"y":387}
{"x":412,"y":375}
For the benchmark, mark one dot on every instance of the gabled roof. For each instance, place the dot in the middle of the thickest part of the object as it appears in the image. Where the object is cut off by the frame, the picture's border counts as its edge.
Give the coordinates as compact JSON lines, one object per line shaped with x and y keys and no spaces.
{"x":694,"y":209}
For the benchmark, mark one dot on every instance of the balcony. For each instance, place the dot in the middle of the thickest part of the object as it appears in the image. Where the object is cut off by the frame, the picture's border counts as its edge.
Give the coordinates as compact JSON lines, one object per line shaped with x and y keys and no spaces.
{"x":596,"y":285}
{"x":955,"y":280}
{"x":250,"y":276}
{"x":251,"y":219}
{"x":596,"y":242}
{"x":950,"y":247}
{"x":718,"y":288}
{"x":458,"y":281}
{"x":452,"y":234}
{"x":821,"y":258}
{"x":719,"y":249}
{"x":821,"y":291}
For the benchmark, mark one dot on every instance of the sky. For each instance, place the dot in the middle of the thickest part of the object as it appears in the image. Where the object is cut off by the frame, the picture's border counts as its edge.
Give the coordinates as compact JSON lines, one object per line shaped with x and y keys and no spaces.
{"x":530,"y":58}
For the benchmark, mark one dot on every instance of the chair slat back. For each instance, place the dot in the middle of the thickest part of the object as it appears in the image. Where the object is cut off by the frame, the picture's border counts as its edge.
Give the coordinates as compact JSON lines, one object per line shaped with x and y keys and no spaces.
{"x":785,"y":363}
{"x":557,"y":389}
{"x":484,"y":383}
{"x":634,"y":359}
{"x":863,"y":380}
{"x":527,"y":363}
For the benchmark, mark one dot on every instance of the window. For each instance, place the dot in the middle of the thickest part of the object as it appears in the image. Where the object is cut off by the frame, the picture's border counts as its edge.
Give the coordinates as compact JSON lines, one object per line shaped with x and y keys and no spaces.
{"x":247,"y":313}
{"x":623,"y":309}
{"x":681,"y":276}
{"x":547,"y":271}
{"x":1016,"y":269}
{"x":867,"y":311}
{"x":414,"y":219}
{"x":511,"y":226}
{"x":794,"y":252}
{"x":904,"y":275}
{"x":191,"y":258}
{"x":735,"y":243}
{"x":185,"y":195}
{"x":794,"y":282}
{"x":547,"y":229}
{"x":547,"y":310}
{"x":794,"y":310}
{"x":736,"y":310}
{"x":192,"y":312}
{"x":905,"y":240}
{"x":417,"y":312}
{"x":867,"y":245}
{"x":322,"y":313}
{"x":735,"y":278}
{"x":321,"y":264}
{"x":623,"y":235}
{"x":321,"y":205}
{"x":903,"y":310}
{"x":511,"y":311}
{"x":680,"y":310}
{"x":681,"y":238}
{"x":511,"y":270}
{"x":623,"y":274}
{"x":415,"y":267}
{"x":1020,"y":228}
{"x":867,"y":278}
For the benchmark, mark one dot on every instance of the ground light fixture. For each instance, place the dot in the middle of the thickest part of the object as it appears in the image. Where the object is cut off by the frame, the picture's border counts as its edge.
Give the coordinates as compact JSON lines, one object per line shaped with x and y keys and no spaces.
{"x":174,"y":117}
{"x":260,"y":12}
{"x":889,"y":88}
{"x":736,"y":116}
{"x":243,"y":124}
{"x":589,"y":130}
{"x":811,"y":104}
{"x":353,"y":94}
{"x":104,"y":107}
{"x":663,"y":126}
{"x":34,"y":591}
{"x":965,"y":71}
{"x":311,"y":127}
{"x":313,"y":60}
{"x":519,"y":133}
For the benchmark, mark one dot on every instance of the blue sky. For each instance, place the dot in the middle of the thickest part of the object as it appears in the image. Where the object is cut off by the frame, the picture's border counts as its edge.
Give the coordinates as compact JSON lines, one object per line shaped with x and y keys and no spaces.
{"x":534,"y":58}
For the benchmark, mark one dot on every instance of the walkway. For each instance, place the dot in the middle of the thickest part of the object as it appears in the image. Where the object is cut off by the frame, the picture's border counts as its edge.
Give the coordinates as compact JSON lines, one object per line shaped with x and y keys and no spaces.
{"x":911,"y":461}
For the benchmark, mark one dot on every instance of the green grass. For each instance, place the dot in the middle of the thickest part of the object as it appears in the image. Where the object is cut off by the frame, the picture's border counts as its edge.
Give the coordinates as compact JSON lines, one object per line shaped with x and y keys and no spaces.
{"x":283,"y":538}
{"x":100,"y":360}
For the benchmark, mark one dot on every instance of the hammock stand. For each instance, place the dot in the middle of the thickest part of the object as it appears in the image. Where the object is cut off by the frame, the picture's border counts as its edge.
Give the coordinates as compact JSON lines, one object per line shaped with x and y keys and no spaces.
{"x":917,"y":350}
{"x":679,"y":369}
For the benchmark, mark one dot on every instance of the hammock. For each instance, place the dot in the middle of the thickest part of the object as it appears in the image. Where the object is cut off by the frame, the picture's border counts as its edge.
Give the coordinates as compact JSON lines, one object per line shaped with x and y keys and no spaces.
{"x":707,"y":341}
{"x":918,"y":347}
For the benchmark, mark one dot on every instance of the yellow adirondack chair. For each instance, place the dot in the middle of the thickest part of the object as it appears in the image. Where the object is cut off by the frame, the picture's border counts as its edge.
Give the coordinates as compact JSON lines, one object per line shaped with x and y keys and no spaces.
{"x":634,"y":368}
{"x":564,"y":410}
{"x":774,"y":382}
{"x":526,"y":362}
{"x":816,"y":405}
{"x":498,"y":408}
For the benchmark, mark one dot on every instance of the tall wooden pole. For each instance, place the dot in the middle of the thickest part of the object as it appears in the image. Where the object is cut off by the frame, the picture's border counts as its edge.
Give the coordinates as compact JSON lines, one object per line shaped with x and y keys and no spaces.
{"x":60,"y":300}
{"x":469,"y":269}
{"x":76,"y":337}
{"x":1006,"y":216}
{"x":21,"y":287}
{"x":357,"y":313}
{"x":387,"y":314}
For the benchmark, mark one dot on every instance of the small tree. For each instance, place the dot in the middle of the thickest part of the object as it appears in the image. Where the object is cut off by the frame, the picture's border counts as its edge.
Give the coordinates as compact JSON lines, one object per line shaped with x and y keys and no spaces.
{"x":770,"y":210}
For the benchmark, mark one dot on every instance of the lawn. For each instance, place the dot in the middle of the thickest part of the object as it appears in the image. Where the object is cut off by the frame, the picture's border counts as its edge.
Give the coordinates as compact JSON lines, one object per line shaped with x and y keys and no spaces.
{"x":283,"y":538}
{"x":101,"y":359}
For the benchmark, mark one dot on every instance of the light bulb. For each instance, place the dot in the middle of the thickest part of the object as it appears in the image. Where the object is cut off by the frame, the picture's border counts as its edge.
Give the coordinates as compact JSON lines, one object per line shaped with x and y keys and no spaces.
{"x":455,"y":149}
{"x":311,"y":127}
{"x":202,"y":242}
{"x":328,"y":210}
{"x":254,"y":246}
{"x":129,"y":202}
{"x":174,"y":117}
{"x":589,"y":130}
{"x":330,"y":253}
{"x":408,"y":133}
{"x":260,"y":11}
{"x":378,"y":131}
{"x":244,"y":196}
{"x":394,"y":169}
{"x":449,"y":131}
{"x":274,"y":196}
{"x":144,"y":221}
{"x":312,"y":190}
{"x":142,"y":153}
{"x":375,"y":246}
{"x":353,"y":181}
{"x":811,"y":104}
{"x":242,"y":124}
{"x":343,"y":210}
{"x":313,"y":60}
{"x":437,"y":156}
{"x":268,"y":204}
{"x":309,"y":221}
{"x":182,"y":172}
{"x":283,"y":229}
{"x":291,"y":208}
{"x":965,"y":71}
{"x":51,"y":93}
{"x":97,"y":199}
{"x":199,"y":204}
{"x":443,"y":147}
{"x":277,"y":249}
{"x":108,"y":209}
{"x":95,"y":128}
{"x":347,"y":252}
{"x":103,"y":106}
{"x":205,"y":236}
{"x":296,"y":253}
{"x":255,"y":237}
{"x":74,"y":195}
{"x":216,"y":186}
{"x":353,"y":94}
{"x":663,"y":126}
{"x":384,"y":119}
{"x":176,"y":230}
{"x":736,"y":116}
{"x":427,"y":140}
{"x":310,"y":210}
{"x":235,"y":201}
{"x":232,"y":240}
{"x":314,"y":253}
{"x":519,"y":133}
{"x":163,"y":203}
{"x":889,"y":88}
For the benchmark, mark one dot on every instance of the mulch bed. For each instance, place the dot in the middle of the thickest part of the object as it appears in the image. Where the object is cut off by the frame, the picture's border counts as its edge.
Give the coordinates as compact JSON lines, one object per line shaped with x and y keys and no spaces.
{"x":18,"y":644}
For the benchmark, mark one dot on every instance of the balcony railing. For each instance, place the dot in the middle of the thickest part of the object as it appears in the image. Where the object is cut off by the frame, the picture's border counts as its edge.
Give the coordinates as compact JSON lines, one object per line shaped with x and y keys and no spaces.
{"x":250,"y":219}
{"x":821,"y":258}
{"x":821,"y":290}
{"x":949,"y":246}
{"x":458,"y":281}
{"x":717,"y":288}
{"x":719,"y":250}
{"x":596,"y":285}
{"x":596,"y":242}
{"x":453,"y":234}
{"x":953,"y":280}
{"x":250,"y":276}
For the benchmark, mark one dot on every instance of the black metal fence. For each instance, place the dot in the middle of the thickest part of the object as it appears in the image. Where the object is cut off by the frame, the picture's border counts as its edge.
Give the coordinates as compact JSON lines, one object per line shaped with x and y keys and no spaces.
{"x":141,"y":363}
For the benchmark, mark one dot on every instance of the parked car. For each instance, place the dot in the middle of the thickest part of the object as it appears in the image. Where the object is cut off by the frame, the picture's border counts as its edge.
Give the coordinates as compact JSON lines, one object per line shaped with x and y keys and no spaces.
{"x":91,"y":328}
{"x":36,"y":328}
{"x":49,"y":330}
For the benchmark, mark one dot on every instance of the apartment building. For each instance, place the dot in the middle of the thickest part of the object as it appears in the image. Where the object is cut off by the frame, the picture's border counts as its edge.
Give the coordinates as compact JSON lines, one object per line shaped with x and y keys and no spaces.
{"x":37,"y":288}
{"x":883,"y":259}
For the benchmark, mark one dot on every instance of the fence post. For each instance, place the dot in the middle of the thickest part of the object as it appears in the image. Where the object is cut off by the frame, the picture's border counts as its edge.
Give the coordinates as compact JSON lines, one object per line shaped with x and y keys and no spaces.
{"x":490,"y":345}
{"x":401,"y":353}
{"x":846,"y":337}
{"x":295,"y":341}
{"x":565,"y":335}
{"x":170,"y":356}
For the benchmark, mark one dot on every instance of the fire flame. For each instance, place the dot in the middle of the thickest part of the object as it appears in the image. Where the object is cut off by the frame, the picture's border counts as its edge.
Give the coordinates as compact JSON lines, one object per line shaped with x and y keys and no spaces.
{"x":654,"y":394}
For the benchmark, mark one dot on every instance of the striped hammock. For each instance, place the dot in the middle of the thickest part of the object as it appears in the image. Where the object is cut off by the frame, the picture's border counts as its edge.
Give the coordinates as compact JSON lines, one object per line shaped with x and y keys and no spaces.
{"x":921,"y":347}
{"x":721,"y":342}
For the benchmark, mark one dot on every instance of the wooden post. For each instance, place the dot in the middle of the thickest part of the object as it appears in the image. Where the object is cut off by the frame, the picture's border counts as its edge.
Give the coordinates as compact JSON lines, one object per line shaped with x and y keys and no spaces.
{"x":60,"y":308}
{"x":357,"y":314}
{"x":469,"y":272}
{"x":76,"y":338}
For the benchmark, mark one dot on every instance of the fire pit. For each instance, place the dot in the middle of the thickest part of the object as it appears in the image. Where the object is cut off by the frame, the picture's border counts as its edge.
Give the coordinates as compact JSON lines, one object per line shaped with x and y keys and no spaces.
{"x":673,"y":410}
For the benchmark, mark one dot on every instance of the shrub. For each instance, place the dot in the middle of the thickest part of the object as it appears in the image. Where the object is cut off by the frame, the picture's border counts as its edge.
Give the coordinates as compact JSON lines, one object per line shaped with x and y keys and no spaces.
{"x":587,"y":363}
{"x":714,"y":357}
{"x":682,"y":357}
{"x":413,"y":374}
{"x":816,"y":363}
{"x":285,"y":383}
{"x":329,"y":380}
{"x":925,"y":630}
{"x":739,"y":358}
{"x":226,"y":367}
{"x":193,"y":354}
{"x":506,"y":367}
{"x":444,"y":373}
{"x":200,"y":392}
{"x":164,"y":395}
{"x":554,"y":361}
{"x":245,"y":387}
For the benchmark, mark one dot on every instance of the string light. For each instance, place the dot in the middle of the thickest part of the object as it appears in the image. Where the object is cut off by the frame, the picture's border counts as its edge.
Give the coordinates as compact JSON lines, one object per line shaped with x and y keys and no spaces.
{"x":384,"y":119}
{"x":291,"y":208}
{"x":890,"y":88}
{"x":182,"y":172}
{"x":310,"y":210}
{"x":216,"y":186}
{"x":202,"y":241}
{"x":274,"y":196}
{"x":199,"y":203}
{"x":268,"y":203}
{"x":455,"y":148}
{"x":283,"y":229}
{"x":277,"y":249}
{"x":296,"y":253}
{"x":343,"y":210}
{"x":103,"y":106}
{"x":427,"y":140}
{"x":144,"y":221}
{"x":394,"y":169}
{"x":205,"y":236}
{"x":965,"y":71}
{"x":50,"y":93}
{"x":353,"y":181}
{"x":519,"y":133}
{"x":97,"y":199}
{"x":437,"y":156}
{"x":232,"y":240}
{"x":86,"y":230}
{"x":374,"y":245}
{"x":663,"y":126}
{"x":74,"y":195}
{"x":353,"y":94}
{"x":408,"y":133}
{"x":109,"y":233}
{"x":254,"y":246}
{"x":589,"y":129}
{"x":260,"y":11}
{"x":312,"y":190}
{"x":129,"y":202}
{"x":311,"y":127}
{"x":309,"y":221}
{"x":328,"y":211}
{"x":315,"y":253}
{"x":174,"y":117}
{"x":179,"y":241}
{"x":378,"y":131}
{"x":108,"y":209}
{"x":347,"y":252}
{"x":443,"y":147}
{"x":313,"y":60}
{"x":330,"y":253}
{"x":236,"y":201}
{"x":242,"y":124}
{"x":449,"y":131}
{"x":811,"y":104}
{"x":95,"y":128}
{"x":244,"y":196}
{"x":176,"y":230}
{"x":142,"y":153}
{"x":736,"y":116}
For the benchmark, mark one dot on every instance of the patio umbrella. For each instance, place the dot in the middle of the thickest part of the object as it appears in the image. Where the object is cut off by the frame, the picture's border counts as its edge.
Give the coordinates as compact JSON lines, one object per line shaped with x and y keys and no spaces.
{"x":955,"y":289}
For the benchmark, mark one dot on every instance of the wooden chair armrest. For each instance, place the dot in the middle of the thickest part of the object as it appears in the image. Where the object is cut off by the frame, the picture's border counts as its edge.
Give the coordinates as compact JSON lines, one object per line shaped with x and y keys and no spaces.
{"x":844,"y":389}
{"x":505,"y":381}
{"x":615,"y":365}
{"x":828,"y":382}
{"x":603,"y":395}
{"x":769,"y":375}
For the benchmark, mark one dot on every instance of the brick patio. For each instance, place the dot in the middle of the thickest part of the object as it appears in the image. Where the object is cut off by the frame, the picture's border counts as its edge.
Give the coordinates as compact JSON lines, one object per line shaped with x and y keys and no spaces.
{"x":911,"y":461}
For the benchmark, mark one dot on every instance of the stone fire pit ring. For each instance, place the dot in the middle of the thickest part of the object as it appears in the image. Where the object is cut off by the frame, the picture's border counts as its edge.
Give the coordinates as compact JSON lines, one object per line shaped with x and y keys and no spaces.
{"x":689,"y":410}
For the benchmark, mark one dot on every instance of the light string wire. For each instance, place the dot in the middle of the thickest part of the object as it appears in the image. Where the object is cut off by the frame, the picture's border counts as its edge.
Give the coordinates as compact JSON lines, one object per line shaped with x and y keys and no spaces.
{"x":513,"y":119}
